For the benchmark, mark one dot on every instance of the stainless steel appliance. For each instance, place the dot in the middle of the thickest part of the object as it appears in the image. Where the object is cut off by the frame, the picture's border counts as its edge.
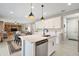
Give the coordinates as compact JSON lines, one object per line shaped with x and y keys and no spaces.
{"x":41,"y":48}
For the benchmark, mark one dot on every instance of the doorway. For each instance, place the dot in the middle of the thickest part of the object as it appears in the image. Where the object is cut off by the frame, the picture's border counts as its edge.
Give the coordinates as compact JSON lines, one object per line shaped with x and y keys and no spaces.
{"x":71,"y":29}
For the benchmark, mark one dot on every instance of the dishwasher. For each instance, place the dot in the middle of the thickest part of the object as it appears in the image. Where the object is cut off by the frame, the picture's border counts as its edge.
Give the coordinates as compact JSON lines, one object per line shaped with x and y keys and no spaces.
{"x":41,"y":48}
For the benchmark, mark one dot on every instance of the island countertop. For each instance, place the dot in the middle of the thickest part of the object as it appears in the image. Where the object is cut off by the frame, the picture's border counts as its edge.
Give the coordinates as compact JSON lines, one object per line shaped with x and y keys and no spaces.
{"x":34,"y":38}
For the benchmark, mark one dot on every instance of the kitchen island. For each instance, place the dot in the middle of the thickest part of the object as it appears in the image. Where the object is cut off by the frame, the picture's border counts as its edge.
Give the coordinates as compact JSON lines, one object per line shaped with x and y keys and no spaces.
{"x":37,"y":45}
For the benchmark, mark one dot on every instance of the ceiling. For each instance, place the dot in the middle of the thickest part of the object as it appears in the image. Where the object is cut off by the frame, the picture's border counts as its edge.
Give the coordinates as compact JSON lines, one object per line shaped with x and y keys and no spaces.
{"x":18,"y":11}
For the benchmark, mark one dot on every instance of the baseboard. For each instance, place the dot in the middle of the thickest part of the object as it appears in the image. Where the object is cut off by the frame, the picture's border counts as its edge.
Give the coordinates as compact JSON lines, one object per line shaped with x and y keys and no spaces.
{"x":73,"y":39}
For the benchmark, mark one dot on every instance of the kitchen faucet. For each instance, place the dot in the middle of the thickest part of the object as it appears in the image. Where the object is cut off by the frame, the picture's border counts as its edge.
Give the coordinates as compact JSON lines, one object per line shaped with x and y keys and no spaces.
{"x":44,"y":31}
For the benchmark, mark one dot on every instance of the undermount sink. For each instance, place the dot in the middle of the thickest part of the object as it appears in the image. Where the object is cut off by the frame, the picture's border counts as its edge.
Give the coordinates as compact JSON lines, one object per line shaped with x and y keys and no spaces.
{"x":46,"y":35}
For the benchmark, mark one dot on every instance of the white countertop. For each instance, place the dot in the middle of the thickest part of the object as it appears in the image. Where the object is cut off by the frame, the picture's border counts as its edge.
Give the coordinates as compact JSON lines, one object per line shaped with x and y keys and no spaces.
{"x":34,"y":38}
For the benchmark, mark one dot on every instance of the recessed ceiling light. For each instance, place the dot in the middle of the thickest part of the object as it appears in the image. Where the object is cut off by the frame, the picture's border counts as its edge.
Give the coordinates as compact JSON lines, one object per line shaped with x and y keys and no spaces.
{"x":32,"y":7}
{"x":11,"y":12}
{"x":63,"y":10}
{"x":69,"y":4}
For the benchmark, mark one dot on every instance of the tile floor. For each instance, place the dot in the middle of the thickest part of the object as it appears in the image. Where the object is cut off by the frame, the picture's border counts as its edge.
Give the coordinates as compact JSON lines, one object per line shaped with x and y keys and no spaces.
{"x":4,"y":50}
{"x":67,"y":48}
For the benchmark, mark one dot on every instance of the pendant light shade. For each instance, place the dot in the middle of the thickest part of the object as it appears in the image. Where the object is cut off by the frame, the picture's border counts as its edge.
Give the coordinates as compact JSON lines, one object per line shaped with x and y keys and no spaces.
{"x":31,"y":15}
{"x":42,"y":18}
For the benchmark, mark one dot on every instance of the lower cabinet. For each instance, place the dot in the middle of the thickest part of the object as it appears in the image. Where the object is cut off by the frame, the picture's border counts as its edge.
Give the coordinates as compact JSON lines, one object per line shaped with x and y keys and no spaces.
{"x":51,"y":45}
{"x":40,"y":48}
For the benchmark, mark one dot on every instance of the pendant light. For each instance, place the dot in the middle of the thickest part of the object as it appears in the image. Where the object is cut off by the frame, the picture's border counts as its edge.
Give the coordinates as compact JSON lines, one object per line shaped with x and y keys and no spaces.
{"x":31,"y":15}
{"x":42,"y":18}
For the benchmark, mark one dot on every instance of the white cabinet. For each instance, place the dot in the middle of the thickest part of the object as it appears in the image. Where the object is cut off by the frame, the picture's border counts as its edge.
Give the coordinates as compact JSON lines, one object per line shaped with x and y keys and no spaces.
{"x":53,"y":22}
{"x":28,"y":48}
{"x":39,"y":24}
{"x":50,"y":23}
{"x":51,"y":45}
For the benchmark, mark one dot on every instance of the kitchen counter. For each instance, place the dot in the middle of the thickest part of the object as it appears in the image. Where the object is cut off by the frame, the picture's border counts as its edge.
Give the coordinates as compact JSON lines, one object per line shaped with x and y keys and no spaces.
{"x":34,"y":38}
{"x":30,"y":48}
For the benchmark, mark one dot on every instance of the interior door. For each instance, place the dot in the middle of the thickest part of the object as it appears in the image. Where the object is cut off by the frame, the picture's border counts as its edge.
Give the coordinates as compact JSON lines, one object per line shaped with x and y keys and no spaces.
{"x":72,"y":29}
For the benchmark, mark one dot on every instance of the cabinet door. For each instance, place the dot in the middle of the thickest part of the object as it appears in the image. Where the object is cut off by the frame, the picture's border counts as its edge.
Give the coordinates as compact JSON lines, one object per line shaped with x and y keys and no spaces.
{"x":39,"y":25}
{"x":51,"y":46}
{"x":53,"y":22}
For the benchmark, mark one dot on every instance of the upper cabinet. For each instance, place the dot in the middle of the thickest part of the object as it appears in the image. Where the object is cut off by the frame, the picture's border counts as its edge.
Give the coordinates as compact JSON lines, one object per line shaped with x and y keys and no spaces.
{"x":49,"y":23}
{"x":39,"y":24}
{"x":53,"y":22}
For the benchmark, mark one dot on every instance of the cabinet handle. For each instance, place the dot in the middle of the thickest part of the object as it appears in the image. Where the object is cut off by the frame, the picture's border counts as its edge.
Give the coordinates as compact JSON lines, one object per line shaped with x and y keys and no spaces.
{"x":53,"y":43}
